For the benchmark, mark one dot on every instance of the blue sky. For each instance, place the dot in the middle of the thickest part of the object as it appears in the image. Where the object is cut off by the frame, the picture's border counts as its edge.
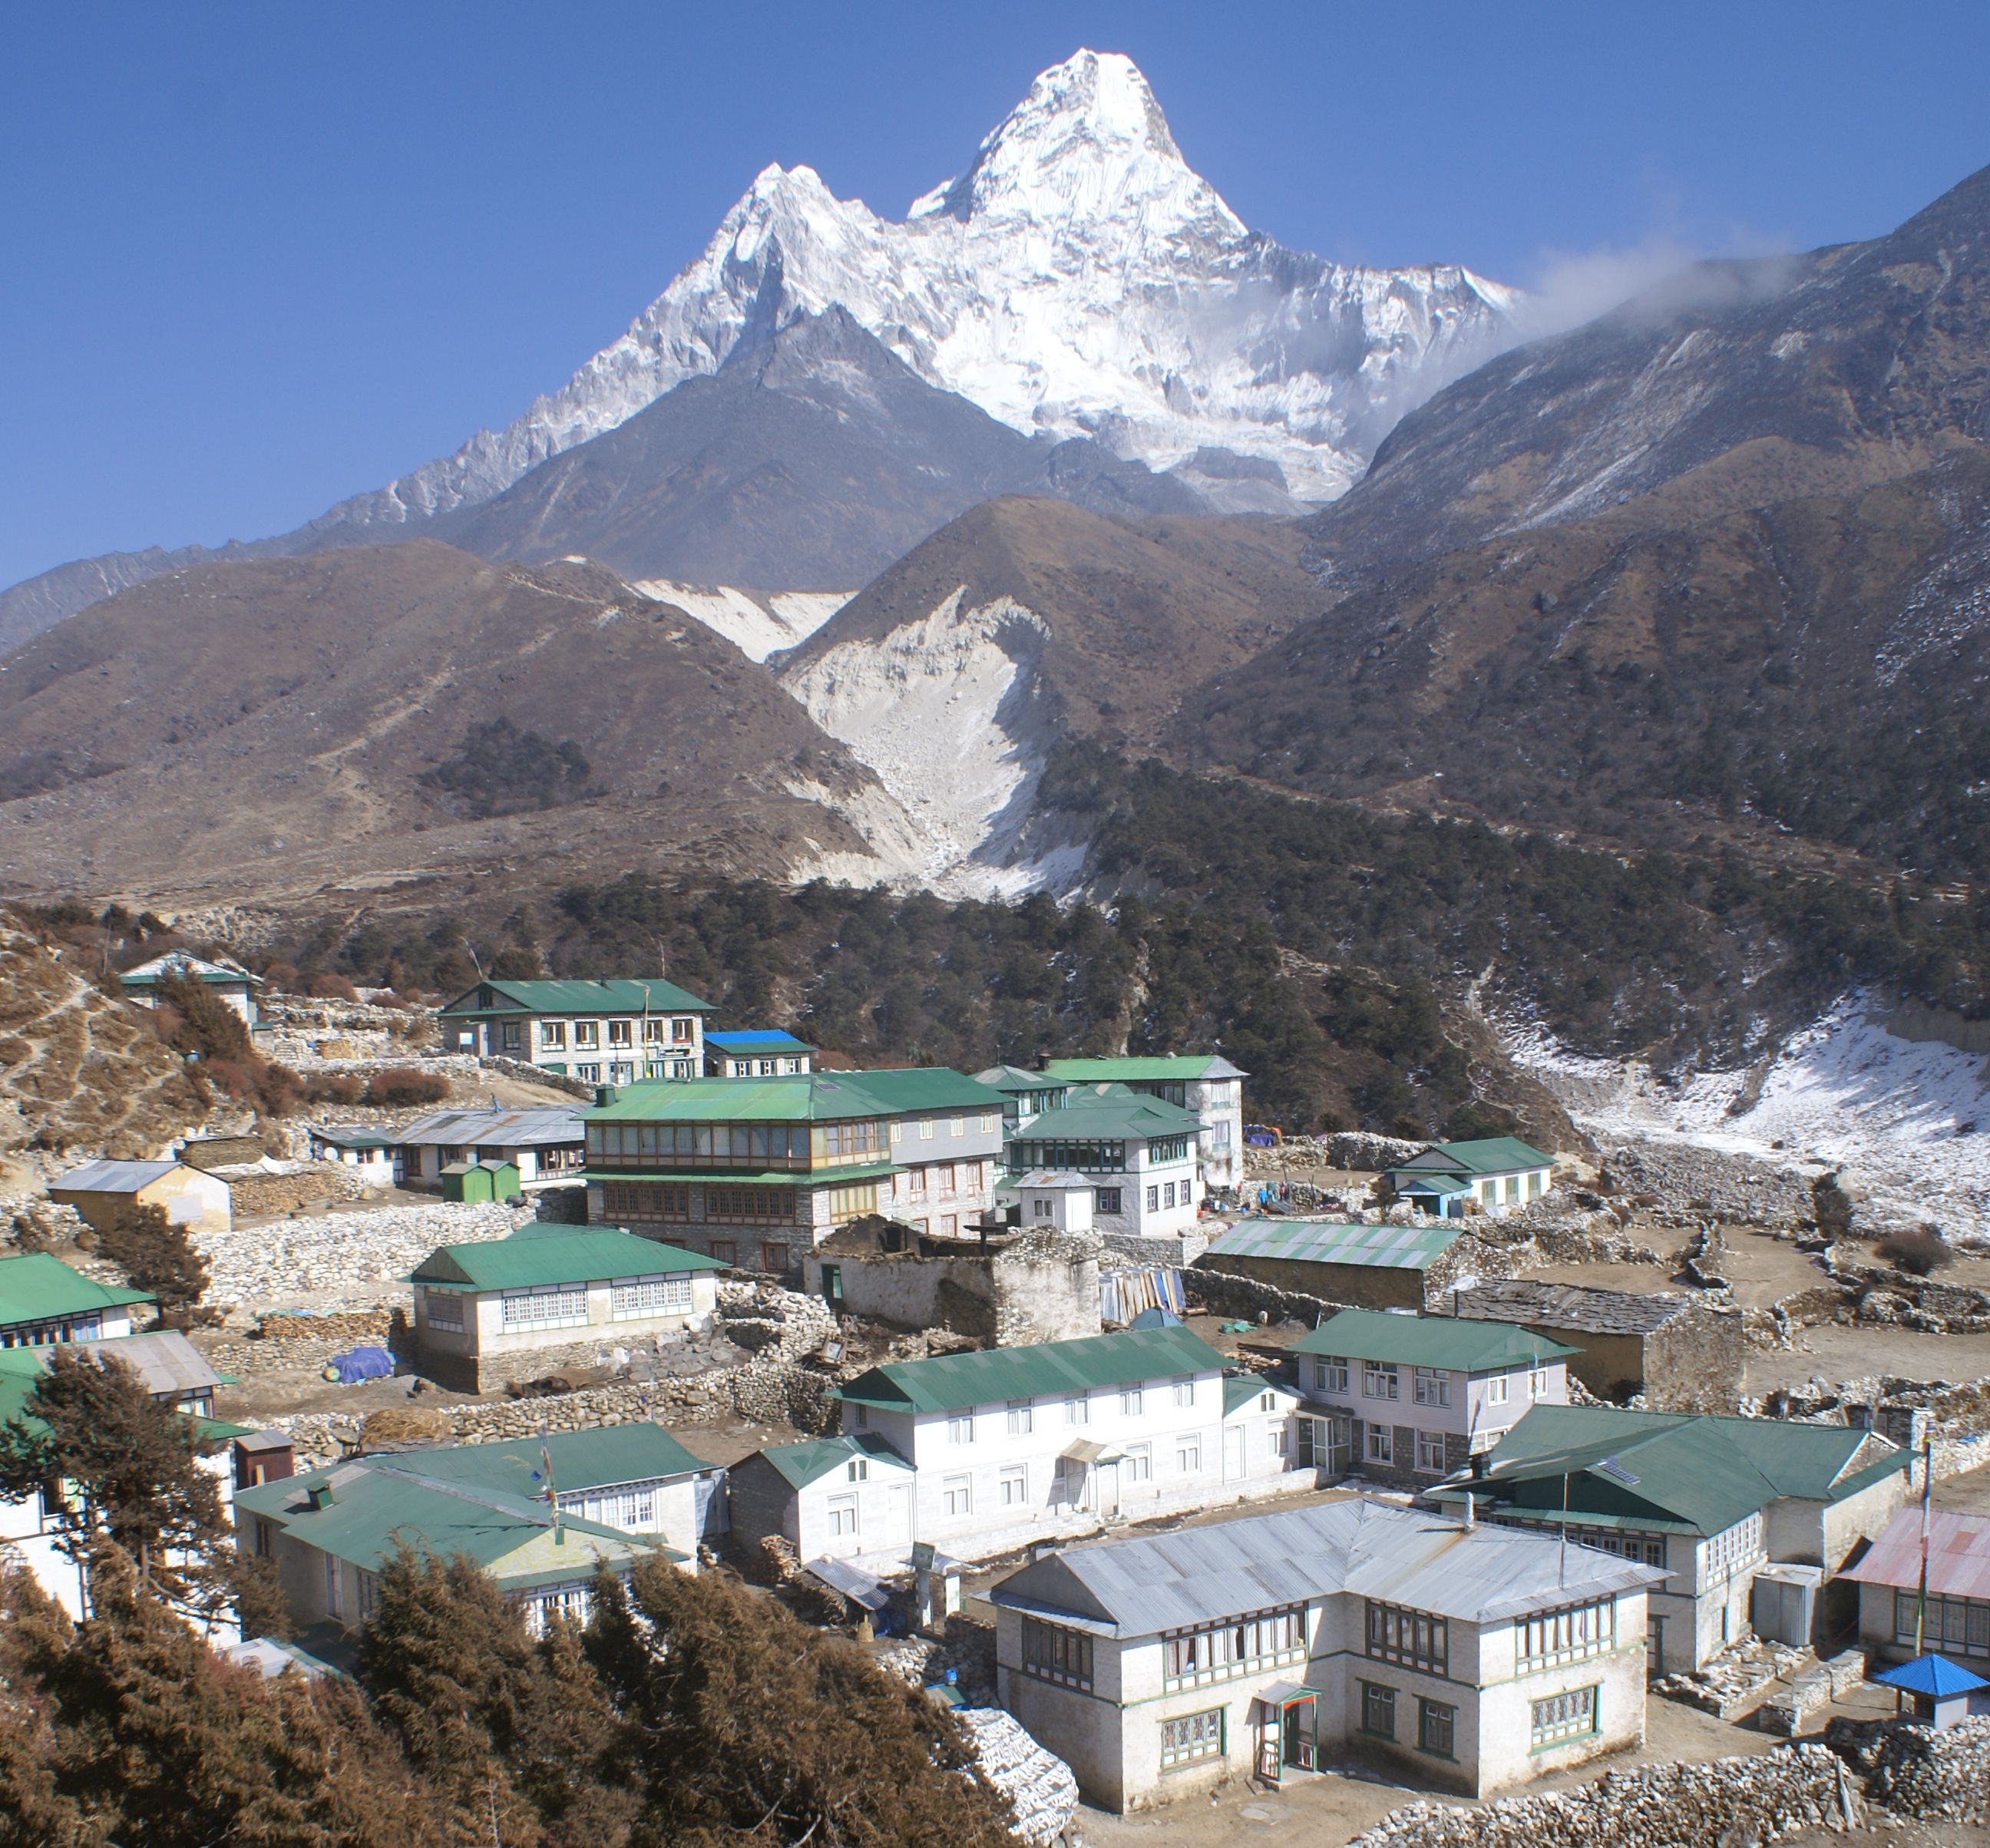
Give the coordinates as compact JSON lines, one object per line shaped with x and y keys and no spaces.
{"x":253,"y":259}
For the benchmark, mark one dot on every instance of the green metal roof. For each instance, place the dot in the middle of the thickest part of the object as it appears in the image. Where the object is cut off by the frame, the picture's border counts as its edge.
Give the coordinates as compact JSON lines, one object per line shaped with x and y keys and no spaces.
{"x":796,"y":1097}
{"x":36,"y":1287}
{"x":1177,"y":1068}
{"x":524,"y":1264}
{"x":1010,"y":1079}
{"x":771,"y":1177}
{"x":1096,"y":1113}
{"x":1488,"y":1155}
{"x":597,"y":1458}
{"x":1709,"y":1471}
{"x":1239,"y":1389}
{"x":1374,"y":1334}
{"x":354,"y":1139}
{"x":377,"y":1504}
{"x":1319,"y":1242}
{"x":916,"y":1087}
{"x":951,"y":1382}
{"x":800,"y":1464}
{"x":652,"y":995}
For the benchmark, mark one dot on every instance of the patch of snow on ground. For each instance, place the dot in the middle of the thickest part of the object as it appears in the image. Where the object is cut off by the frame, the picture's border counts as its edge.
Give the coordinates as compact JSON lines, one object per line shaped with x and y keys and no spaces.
{"x":1908,"y":1119}
{"x":758,"y":627}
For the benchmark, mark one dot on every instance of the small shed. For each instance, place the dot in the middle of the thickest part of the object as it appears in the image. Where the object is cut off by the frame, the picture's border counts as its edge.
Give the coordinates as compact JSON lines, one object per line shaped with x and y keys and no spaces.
{"x":1942,"y":1694}
{"x":1062,"y":1199}
{"x":1367,"y":1266}
{"x":102,"y":1191}
{"x":368,"y":1150}
{"x":468,"y":1182}
{"x":230,"y":982}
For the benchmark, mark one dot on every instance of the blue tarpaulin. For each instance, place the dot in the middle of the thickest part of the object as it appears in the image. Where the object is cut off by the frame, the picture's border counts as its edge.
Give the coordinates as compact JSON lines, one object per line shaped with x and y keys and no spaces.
{"x":362,"y":1363}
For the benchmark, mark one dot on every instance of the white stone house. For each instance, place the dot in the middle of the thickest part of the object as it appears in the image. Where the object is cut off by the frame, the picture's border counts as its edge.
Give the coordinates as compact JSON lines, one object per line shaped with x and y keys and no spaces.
{"x":1206,"y":1084}
{"x":101,"y":1191}
{"x":43,"y":1302}
{"x":228,"y":982}
{"x":755,"y":1171}
{"x":1469,"y":1659}
{"x":601,"y":1032}
{"x":548,"y":1146}
{"x":1896,"y":1623}
{"x":488,"y":1313}
{"x":1013,"y":1444}
{"x":1139,"y":1153}
{"x":1495,"y":1174}
{"x":371,"y":1152}
{"x":1406,"y":1399}
{"x":757,"y":1052}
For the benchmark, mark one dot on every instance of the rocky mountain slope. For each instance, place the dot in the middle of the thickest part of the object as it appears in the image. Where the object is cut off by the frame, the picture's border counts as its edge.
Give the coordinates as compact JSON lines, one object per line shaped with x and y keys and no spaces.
{"x":273,"y":727}
{"x":1078,"y":281}
{"x":811,"y":457}
{"x":1022,"y":622}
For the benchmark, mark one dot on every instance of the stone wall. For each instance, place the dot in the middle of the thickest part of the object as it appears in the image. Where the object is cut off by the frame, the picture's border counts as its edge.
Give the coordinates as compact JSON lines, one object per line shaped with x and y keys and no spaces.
{"x":1756,"y":1800}
{"x":1935,"y":1775}
{"x":1041,"y":1286}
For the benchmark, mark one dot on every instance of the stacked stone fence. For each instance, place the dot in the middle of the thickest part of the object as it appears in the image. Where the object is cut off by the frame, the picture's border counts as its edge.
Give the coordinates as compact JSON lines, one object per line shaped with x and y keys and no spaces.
{"x":1933,"y":1776}
{"x":1758,"y":1800}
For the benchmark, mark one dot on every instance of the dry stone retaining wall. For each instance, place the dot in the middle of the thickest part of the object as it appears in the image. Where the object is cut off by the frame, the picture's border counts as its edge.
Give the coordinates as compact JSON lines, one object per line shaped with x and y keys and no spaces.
{"x":1935,"y":1776}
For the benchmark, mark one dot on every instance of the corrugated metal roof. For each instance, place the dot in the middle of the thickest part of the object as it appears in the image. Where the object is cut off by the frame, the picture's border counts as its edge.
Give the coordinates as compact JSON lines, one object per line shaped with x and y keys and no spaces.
{"x":770,"y":1177}
{"x":1935,"y":1676}
{"x":178,"y":962}
{"x":1093,"y":1115}
{"x":36,"y":1287}
{"x":585,"y":1258}
{"x":798,"y":1097}
{"x":800,"y":1464}
{"x":112,"y":1176}
{"x":757,"y":1039}
{"x":1166,"y":1581}
{"x":953,"y":1382}
{"x":1574,"y":1305}
{"x":1177,"y":1068}
{"x":1010,"y":1079}
{"x":600,"y":1458}
{"x":1239,"y":1389}
{"x":652,"y":995}
{"x":1374,"y":1334}
{"x":164,"y":1359}
{"x":1322,"y":1242}
{"x":1958,"y":1554}
{"x":500,"y":1129}
{"x":1487,"y":1155}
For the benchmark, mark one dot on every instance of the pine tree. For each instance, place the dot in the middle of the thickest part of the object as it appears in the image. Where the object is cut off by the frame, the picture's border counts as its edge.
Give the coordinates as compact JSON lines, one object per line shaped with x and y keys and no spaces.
{"x":755,"y":1729}
{"x":158,"y":1256}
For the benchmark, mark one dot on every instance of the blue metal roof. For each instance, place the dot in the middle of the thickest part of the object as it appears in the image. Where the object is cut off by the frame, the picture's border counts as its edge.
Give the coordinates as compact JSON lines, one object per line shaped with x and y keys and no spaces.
{"x":1935,"y":1676}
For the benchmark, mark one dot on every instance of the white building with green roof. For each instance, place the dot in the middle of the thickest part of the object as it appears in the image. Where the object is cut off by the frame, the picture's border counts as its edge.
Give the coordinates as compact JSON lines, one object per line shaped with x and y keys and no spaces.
{"x":612,"y":1032}
{"x":983,"y":1452}
{"x":1205,"y":1084}
{"x":1138,"y":1151}
{"x":1496,"y":1174}
{"x":1407,"y":1399}
{"x":503,"y":1309}
{"x":755,"y":1171}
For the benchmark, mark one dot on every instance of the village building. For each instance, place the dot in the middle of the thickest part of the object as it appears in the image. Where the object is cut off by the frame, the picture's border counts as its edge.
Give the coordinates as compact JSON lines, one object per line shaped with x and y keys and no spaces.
{"x":547,"y":1147}
{"x":1495,"y":1174}
{"x":42,"y":1301}
{"x":1895,"y":1624}
{"x":600,"y":1032}
{"x":1471,"y":1660}
{"x":1011,"y":1288}
{"x":1678,"y":1352}
{"x":327,"y":1533}
{"x":104,"y":1192}
{"x":228,"y":982}
{"x":757,"y":1052}
{"x":1366,"y":1266}
{"x":1025,"y":1093}
{"x":1206,"y":1084}
{"x":1406,"y":1400}
{"x":1137,"y":1152}
{"x":508,"y":1309}
{"x":1013,"y":1444}
{"x":1710,"y":1501}
{"x":371,"y":1152}
{"x":760,"y":1170}
{"x":213,"y":1153}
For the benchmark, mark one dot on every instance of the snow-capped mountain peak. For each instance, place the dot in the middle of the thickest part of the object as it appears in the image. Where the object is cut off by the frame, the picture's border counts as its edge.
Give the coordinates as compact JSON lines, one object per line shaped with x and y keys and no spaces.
{"x":1079,"y":278}
{"x":1087,"y":145}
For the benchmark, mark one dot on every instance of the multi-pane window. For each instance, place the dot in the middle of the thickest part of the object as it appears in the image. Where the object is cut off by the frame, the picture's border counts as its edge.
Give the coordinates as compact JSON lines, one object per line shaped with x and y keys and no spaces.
{"x":1167,"y":1148}
{"x":1329,"y":1373}
{"x":749,"y":1205}
{"x":1959,"y":1624}
{"x":1647,"y":1549}
{"x":557,"y":1604}
{"x":1078,"y":1409}
{"x":1188,"y":1455}
{"x":1432,"y":1386}
{"x":442,"y":1309}
{"x":586,"y":1034}
{"x":1430,"y":1452}
{"x":553,"y":1035}
{"x":849,"y":1202}
{"x":1137,"y":1462}
{"x":1153,"y":1199}
{"x":842,"y":1517}
{"x":1015,"y":1487}
{"x":960,"y":1427}
{"x":1022,"y":1417}
{"x":1184,"y":1392}
{"x":1437,"y":1726}
{"x":1726,"y":1552}
{"x":556,"y":1306}
{"x":1132,"y":1401}
{"x":1379,"y":1380}
{"x":1054,"y":1653}
{"x":1191,"y":1738}
{"x":1538,"y":1379}
{"x":1107,"y":1200}
{"x":1565,"y":1636}
{"x":850,"y":1141}
{"x":629,"y":1297}
{"x":1495,"y":1389}
{"x":1378,"y":1710}
{"x":623,"y":1202}
{"x":1211,"y":1651}
{"x":629,"y":1509}
{"x":1381,"y":1444}
{"x":1086,"y":1157}
{"x":858,"y":1469}
{"x":1415,"y":1638}
{"x":957,"y":1495}
{"x":620,"y":1033}
{"x":1568,"y":1716}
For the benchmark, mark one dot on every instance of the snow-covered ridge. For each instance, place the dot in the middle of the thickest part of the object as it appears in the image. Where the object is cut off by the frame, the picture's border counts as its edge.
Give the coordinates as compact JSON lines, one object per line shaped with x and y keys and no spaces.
{"x":759,"y":624}
{"x":1079,"y":278}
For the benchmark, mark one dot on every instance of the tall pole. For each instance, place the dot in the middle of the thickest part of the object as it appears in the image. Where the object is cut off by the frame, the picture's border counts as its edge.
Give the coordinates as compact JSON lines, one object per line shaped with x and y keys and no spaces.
{"x":1928,"y":1499}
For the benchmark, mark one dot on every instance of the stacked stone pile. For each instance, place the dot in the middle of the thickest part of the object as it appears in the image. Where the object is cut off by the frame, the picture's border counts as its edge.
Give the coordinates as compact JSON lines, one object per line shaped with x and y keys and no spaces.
{"x":340,"y":1252}
{"x":1040,"y":1788}
{"x":1758,"y":1800}
{"x":1354,"y":1151}
{"x":262,"y":1193}
{"x":1929,"y":1776}
{"x":1692,"y":1183}
{"x":1734,"y":1678}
